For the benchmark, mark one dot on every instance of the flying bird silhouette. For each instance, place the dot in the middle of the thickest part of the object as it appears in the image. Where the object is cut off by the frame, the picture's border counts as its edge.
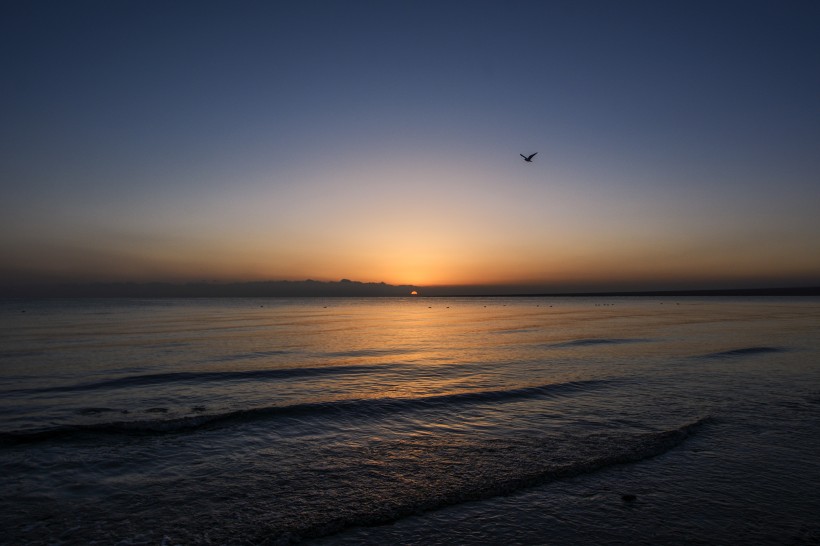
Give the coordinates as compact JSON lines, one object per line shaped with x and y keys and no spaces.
{"x":528,"y":159}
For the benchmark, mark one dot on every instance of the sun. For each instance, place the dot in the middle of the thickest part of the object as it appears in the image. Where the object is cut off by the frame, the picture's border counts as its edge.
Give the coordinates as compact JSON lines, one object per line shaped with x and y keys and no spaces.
{"x":414,"y":293}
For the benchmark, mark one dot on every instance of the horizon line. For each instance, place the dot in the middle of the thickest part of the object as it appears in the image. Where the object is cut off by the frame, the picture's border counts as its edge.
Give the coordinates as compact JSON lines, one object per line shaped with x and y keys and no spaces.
{"x":350,"y":288}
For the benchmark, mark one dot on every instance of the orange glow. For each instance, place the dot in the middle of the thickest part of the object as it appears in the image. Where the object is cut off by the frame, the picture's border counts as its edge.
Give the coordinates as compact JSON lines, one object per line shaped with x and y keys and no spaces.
{"x":468,"y":232}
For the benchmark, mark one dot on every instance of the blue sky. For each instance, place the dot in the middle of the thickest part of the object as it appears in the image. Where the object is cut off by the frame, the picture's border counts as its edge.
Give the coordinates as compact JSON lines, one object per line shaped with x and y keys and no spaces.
{"x":677,"y":142}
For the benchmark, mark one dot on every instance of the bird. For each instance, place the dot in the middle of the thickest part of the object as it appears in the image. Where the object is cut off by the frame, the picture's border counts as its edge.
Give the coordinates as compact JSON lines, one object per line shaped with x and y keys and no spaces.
{"x":528,"y":159}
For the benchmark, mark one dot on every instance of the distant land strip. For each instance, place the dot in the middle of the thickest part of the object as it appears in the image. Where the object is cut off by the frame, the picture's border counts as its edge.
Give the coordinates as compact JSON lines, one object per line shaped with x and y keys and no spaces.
{"x":783,"y":291}
{"x":308,"y":288}
{"x":345,"y":288}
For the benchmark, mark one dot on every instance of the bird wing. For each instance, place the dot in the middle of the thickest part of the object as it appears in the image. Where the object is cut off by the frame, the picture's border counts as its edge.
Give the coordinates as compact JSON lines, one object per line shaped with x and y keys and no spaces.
{"x":533,"y":155}
{"x":522,"y":155}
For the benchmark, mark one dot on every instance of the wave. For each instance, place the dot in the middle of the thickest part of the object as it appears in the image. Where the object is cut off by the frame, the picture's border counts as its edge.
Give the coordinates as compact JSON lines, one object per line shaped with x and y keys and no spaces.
{"x":20,"y":354}
{"x":169,"y":345}
{"x":594,"y":341}
{"x":352,"y":407}
{"x":95,"y":411}
{"x":252,"y":355}
{"x":515,"y":331}
{"x":745,"y":351}
{"x":201,"y":377}
{"x":368,"y":352}
{"x":454,"y":473}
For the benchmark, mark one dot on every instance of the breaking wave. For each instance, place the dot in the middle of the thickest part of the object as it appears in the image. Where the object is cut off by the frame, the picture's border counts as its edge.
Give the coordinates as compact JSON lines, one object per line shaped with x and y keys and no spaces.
{"x":349,"y":407}
{"x":484,"y":469}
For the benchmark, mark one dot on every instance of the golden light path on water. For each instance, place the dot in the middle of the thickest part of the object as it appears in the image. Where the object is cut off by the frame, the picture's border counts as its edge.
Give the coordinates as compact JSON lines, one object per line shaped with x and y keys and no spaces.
{"x":167,"y":417}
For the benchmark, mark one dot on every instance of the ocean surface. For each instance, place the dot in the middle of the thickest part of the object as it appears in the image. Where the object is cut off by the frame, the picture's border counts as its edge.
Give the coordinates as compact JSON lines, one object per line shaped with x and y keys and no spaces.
{"x":410,"y":421}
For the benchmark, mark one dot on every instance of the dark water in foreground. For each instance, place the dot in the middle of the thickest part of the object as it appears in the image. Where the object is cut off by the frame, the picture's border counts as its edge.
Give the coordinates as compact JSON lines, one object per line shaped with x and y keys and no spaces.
{"x":410,"y":421}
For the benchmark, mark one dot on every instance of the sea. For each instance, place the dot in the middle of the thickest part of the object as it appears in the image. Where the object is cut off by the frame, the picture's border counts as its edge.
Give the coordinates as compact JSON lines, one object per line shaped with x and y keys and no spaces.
{"x":521,"y":420}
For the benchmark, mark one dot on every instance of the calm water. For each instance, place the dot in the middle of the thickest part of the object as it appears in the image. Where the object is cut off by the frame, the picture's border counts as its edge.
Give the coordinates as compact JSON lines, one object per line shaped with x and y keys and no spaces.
{"x":410,"y":421}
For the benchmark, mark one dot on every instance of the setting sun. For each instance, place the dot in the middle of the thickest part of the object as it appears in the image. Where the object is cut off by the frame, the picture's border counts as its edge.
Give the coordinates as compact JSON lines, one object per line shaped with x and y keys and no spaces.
{"x":215,"y":215}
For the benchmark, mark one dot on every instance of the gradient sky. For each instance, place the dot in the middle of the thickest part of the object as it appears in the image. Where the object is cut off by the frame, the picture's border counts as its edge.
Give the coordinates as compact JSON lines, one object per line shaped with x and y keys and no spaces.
{"x":678,"y":142}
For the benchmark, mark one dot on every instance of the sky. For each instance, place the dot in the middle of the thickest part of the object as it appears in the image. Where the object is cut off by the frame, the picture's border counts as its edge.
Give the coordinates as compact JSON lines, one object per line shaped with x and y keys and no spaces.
{"x":678,"y":143}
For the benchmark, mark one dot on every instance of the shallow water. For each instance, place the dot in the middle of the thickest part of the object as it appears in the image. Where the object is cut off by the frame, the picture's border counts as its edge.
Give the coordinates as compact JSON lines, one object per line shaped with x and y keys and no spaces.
{"x":418,"y":420}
